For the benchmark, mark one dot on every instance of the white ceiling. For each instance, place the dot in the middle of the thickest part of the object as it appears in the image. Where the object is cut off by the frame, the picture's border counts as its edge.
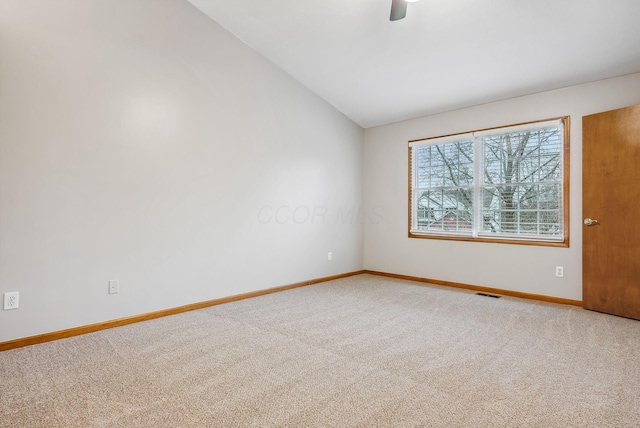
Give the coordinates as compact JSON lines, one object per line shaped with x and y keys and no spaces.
{"x":446,"y":54}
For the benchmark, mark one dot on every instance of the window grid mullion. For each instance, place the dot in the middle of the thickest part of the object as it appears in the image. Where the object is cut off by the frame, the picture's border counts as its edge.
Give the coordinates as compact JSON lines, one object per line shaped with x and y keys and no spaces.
{"x":478,"y":181}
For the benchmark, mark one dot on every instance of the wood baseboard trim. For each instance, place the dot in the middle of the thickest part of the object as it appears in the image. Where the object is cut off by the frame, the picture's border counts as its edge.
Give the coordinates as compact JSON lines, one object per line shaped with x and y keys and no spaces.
{"x":91,"y":328}
{"x":498,"y":291}
{"x":76,"y":331}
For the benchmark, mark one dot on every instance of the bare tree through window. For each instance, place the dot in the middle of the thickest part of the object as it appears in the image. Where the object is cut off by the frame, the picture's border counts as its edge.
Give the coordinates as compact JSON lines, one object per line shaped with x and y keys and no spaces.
{"x":502,"y":183}
{"x":523,"y":183}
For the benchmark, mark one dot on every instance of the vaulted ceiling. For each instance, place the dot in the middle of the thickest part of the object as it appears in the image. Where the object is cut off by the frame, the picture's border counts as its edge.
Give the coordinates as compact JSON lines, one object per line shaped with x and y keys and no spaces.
{"x":445,"y":55}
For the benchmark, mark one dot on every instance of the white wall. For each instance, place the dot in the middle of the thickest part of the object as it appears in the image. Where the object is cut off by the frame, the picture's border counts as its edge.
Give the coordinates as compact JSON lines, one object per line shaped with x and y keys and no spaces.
{"x":140,"y":141}
{"x":528,"y":269}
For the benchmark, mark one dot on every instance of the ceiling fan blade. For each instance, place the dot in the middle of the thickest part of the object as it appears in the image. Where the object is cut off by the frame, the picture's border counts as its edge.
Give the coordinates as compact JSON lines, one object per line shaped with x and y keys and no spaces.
{"x":398,"y":9}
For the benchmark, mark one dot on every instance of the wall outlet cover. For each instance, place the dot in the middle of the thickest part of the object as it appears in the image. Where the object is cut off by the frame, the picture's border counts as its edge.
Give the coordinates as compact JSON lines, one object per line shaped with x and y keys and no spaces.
{"x":11,"y":300}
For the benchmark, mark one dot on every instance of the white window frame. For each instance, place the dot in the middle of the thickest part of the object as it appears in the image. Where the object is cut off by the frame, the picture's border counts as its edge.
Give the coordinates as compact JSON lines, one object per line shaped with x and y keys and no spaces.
{"x":476,"y":234}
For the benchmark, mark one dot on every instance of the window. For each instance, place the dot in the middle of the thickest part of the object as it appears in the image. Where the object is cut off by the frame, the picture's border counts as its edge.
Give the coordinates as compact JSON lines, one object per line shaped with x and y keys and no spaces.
{"x":507,"y":184}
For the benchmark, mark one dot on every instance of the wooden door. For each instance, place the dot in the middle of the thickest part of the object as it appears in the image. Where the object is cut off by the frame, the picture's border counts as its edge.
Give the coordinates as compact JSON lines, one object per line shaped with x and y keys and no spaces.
{"x":611,"y":200}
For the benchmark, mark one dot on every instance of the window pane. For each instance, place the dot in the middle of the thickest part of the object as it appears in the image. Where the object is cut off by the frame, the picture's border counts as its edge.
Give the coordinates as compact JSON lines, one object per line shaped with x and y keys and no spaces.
{"x":445,"y":210}
{"x":523,"y":157}
{"x":444,"y":192}
{"x":529,"y":209}
{"x":443,"y":165}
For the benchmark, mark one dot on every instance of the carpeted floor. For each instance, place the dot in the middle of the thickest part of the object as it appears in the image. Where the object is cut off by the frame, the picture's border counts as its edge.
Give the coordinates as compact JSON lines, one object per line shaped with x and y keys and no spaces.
{"x":364,"y":351}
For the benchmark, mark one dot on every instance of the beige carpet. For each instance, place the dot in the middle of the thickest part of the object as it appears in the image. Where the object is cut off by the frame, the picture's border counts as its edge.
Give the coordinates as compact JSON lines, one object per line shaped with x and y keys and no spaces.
{"x":364,"y":351}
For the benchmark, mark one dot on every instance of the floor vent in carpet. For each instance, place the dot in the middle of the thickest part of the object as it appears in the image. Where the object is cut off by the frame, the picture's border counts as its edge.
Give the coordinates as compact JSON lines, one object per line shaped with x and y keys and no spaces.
{"x":489,"y":295}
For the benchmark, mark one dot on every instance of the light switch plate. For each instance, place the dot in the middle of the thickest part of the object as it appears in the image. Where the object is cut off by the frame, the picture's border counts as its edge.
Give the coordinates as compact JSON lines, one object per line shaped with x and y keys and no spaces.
{"x":114,"y":286}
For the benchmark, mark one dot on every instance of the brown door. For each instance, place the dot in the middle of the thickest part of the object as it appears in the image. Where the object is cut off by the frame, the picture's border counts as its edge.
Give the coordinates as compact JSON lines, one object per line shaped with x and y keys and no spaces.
{"x":611,"y":212}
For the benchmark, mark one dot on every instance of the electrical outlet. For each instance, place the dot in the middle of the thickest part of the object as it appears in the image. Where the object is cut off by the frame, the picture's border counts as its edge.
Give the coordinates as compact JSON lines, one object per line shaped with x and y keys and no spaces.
{"x":114,"y":286}
{"x":11,"y":300}
{"x":329,"y":256}
{"x":559,"y":271}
